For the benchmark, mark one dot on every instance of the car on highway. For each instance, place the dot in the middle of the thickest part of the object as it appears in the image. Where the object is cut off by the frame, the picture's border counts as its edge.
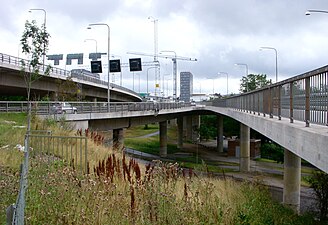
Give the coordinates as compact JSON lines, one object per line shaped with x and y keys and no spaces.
{"x":63,"y":107}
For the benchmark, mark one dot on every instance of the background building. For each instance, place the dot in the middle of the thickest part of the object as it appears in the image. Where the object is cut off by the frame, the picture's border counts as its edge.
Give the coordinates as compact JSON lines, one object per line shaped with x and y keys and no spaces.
{"x":186,"y":86}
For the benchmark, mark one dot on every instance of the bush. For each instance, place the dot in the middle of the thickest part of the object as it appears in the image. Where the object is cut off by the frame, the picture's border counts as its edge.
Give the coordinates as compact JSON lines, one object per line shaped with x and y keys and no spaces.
{"x":272,"y":151}
{"x":319,"y":183}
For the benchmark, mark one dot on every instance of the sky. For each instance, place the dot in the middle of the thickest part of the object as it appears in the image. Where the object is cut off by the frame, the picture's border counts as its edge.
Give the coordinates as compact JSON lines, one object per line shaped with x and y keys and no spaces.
{"x":217,"y":33}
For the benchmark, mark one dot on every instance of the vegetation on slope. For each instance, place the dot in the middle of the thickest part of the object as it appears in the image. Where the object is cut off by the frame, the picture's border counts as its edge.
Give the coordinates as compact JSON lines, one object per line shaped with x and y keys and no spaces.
{"x":118,"y":190}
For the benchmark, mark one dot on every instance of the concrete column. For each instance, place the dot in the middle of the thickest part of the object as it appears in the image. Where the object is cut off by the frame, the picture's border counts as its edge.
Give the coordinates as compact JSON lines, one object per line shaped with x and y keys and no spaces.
{"x":188,"y":127}
{"x":219,"y":137}
{"x":118,"y":139}
{"x":195,"y":128}
{"x":109,"y":137}
{"x":180,"y":132}
{"x":292,"y":180}
{"x":94,"y":101}
{"x":244,"y":148}
{"x":163,"y":138}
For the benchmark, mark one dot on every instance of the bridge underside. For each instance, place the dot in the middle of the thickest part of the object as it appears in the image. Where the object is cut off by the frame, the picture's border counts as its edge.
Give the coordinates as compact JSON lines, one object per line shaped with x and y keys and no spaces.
{"x":309,"y":143}
{"x":12,"y":83}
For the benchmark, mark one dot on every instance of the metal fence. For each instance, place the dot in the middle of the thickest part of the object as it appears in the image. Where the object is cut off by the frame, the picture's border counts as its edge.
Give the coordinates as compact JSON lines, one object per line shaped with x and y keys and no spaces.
{"x":302,"y":98}
{"x":48,"y":148}
{"x":48,"y":108}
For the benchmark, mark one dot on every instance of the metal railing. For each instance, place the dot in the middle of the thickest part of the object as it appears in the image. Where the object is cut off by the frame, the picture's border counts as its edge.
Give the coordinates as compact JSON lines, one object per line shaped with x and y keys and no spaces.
{"x":49,"y":108}
{"x":48,"y":148}
{"x":302,"y":98}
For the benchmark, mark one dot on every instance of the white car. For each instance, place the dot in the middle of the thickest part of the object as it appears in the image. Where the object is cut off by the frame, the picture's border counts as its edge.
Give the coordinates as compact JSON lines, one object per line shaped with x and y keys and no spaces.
{"x":63,"y":107}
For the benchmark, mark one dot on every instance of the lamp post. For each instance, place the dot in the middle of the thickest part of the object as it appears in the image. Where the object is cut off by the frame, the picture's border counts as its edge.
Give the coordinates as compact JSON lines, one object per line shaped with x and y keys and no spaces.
{"x":246,"y":67}
{"x":85,"y":40}
{"x":227,"y":80}
{"x":308,"y":12}
{"x":108,"y":55}
{"x":275,"y":50}
{"x":175,"y":71}
{"x":147,"y":75}
{"x":44,"y":30}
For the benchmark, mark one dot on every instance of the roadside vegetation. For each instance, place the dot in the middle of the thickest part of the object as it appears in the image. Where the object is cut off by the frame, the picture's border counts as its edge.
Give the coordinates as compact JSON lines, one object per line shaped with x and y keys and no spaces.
{"x":118,"y":190}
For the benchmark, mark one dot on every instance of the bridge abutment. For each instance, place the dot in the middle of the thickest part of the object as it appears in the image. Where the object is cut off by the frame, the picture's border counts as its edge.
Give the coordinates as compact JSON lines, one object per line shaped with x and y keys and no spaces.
{"x":292,"y":180}
{"x":163,"y":138}
{"x":244,"y":148}
{"x":219,"y":138}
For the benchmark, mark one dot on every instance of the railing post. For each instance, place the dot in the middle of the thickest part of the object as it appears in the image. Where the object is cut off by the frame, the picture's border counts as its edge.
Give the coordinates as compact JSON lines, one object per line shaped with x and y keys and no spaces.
{"x":307,"y":101}
{"x":270,"y":102}
{"x":279,"y":102}
{"x":291,"y":110}
{"x":258,"y":103}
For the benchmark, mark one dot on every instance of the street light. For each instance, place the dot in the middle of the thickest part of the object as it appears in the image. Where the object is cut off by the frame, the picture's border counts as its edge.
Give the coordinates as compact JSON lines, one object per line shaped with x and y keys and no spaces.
{"x":175,"y":71}
{"x":44,"y":30}
{"x":308,"y":12}
{"x":147,"y":75}
{"x":108,"y":55}
{"x":246,"y":66}
{"x":85,"y":40}
{"x":227,"y":80}
{"x":271,"y":48}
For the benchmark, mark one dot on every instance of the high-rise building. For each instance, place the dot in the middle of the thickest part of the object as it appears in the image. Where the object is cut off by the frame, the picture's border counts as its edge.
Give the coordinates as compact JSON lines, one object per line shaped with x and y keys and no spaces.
{"x":186,"y":86}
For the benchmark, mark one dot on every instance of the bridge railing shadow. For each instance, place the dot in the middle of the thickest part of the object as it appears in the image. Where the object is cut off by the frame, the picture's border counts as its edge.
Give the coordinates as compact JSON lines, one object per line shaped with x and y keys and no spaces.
{"x":303,"y":98}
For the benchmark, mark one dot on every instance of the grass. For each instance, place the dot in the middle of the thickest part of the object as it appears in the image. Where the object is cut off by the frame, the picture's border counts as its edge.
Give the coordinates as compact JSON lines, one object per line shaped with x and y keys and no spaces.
{"x":120,"y":191}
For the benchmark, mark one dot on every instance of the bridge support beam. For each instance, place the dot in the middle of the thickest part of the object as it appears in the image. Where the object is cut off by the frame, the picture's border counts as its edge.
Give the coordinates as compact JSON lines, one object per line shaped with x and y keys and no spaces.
{"x":244,"y":148}
{"x":118,"y":139}
{"x":163,"y":138}
{"x":292,"y":180}
{"x":219,"y":137}
{"x":180,"y":132}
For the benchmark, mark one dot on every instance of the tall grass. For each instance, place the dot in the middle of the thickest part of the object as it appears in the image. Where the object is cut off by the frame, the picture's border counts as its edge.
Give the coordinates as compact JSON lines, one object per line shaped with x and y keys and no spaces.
{"x":120,"y":191}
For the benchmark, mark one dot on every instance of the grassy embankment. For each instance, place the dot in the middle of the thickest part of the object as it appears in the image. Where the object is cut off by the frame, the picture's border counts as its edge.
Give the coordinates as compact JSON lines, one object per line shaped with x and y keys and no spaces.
{"x":123,"y":192}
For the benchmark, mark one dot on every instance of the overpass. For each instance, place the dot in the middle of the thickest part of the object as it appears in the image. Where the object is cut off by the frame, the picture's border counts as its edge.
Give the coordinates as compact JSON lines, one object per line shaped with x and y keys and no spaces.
{"x":292,"y":113}
{"x":12,"y":82}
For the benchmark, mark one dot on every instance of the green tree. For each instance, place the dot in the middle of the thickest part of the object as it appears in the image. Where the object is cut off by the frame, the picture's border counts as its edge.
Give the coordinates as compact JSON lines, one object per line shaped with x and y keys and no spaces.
{"x":253,"y":81}
{"x":319,"y":183}
{"x":34,"y":41}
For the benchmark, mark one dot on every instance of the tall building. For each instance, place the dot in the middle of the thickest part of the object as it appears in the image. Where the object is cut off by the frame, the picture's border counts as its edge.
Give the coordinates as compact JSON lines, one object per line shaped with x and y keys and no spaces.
{"x":186,"y":86}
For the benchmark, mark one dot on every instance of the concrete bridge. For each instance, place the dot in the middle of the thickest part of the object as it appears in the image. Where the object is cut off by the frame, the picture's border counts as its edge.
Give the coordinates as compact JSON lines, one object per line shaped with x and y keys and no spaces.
{"x":12,"y":83}
{"x":292,"y":113}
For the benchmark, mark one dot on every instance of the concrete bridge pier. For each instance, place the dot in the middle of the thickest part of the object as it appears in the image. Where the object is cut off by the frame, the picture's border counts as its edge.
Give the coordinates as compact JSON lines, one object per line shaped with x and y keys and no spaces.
{"x":292,"y":180}
{"x":219,"y":137}
{"x":163,"y":138}
{"x":195,"y":138}
{"x":187,"y":127}
{"x":180,"y":132}
{"x":118,"y":139}
{"x":244,"y":148}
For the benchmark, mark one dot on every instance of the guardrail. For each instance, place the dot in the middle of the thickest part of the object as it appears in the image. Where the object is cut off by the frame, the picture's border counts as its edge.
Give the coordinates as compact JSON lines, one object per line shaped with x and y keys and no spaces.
{"x":303,"y":98}
{"x":48,"y":108}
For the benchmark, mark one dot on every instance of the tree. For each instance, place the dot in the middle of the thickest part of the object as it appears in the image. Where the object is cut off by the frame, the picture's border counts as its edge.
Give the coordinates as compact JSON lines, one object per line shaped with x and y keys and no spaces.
{"x":68,"y":90}
{"x":253,"y":81}
{"x":319,"y":183}
{"x":34,"y":41}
